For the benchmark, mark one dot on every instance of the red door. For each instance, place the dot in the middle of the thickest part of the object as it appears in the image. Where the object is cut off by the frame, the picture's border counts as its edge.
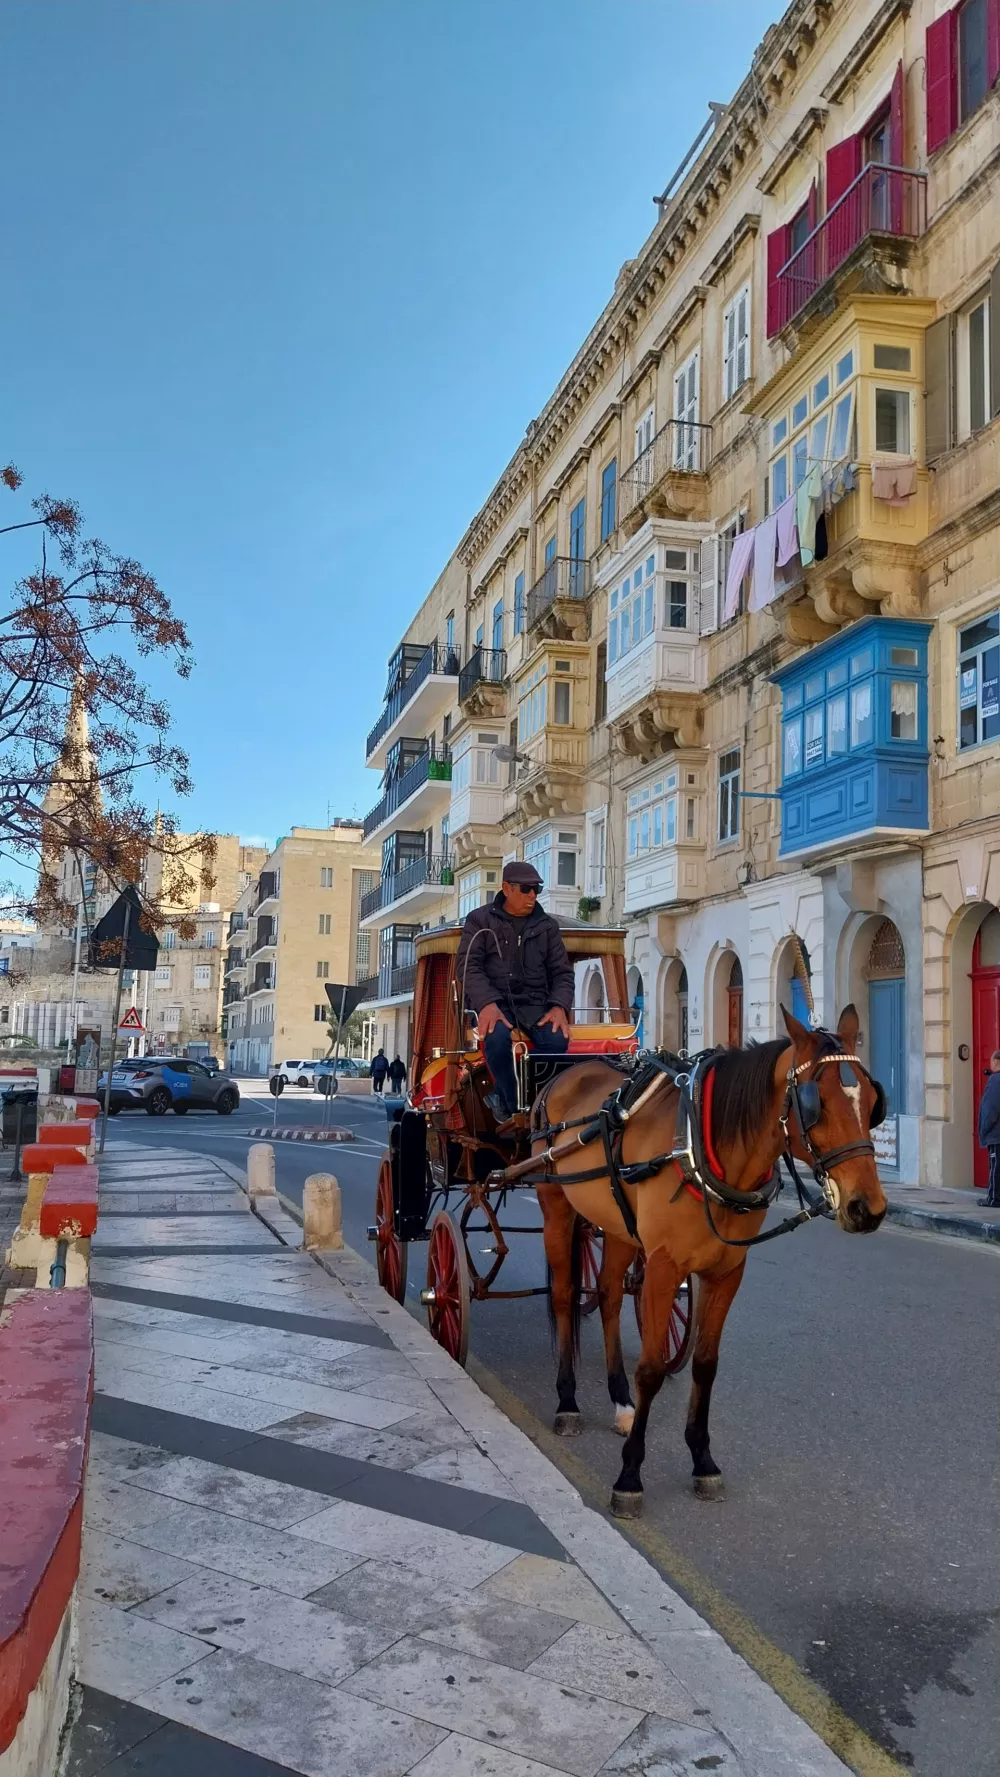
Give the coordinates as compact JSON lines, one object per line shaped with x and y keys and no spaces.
{"x":985,"y":1038}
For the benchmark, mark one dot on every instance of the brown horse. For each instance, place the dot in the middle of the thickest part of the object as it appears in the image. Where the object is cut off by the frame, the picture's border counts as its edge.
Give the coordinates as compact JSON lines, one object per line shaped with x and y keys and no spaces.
{"x":751,"y":1126}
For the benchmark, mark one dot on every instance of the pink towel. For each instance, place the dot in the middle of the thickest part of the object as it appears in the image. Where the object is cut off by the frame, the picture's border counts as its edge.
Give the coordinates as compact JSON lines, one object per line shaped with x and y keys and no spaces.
{"x":894,"y":482}
{"x":763,"y":563}
{"x":739,"y":563}
{"x":788,"y":532}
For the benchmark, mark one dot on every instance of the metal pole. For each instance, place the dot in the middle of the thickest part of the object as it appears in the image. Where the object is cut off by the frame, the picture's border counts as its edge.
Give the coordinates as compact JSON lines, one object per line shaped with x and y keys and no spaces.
{"x":336,"y":1055}
{"x":16,"y":1177}
{"x":76,"y":960}
{"x":114,"y":1026}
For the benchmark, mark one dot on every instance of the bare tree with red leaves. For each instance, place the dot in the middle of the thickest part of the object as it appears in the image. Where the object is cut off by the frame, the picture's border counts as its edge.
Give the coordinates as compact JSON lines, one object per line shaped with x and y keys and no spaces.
{"x":80,"y":734}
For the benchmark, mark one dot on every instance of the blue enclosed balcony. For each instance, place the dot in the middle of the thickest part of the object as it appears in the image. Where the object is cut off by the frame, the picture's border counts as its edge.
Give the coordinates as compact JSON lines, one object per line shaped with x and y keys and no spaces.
{"x":854,"y":737}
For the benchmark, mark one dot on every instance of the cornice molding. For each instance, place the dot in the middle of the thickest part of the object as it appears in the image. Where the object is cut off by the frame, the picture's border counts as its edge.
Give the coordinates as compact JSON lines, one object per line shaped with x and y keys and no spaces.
{"x":695,"y":298}
{"x":747,"y":228}
{"x":865,"y":47}
{"x":814,"y":120}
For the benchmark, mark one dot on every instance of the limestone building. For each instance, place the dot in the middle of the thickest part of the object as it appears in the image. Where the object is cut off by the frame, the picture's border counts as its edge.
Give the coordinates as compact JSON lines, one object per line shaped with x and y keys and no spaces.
{"x":724,"y":640}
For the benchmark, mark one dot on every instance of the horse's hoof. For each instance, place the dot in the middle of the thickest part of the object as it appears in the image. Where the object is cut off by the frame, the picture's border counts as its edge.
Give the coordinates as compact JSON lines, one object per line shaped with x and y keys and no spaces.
{"x":709,"y":1487}
{"x":568,"y":1425}
{"x":623,"y":1420}
{"x":626,"y":1505}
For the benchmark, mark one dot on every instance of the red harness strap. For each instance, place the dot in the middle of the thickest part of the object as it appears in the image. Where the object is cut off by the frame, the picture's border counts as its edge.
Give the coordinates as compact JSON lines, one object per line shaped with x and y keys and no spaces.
{"x":707,"y":1091}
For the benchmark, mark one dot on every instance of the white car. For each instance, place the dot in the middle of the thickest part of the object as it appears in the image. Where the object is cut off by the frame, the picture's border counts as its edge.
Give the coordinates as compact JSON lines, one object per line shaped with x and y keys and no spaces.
{"x":294,"y":1073}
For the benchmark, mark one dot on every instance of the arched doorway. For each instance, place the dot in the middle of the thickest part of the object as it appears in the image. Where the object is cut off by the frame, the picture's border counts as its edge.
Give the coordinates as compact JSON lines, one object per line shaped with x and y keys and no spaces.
{"x":886,"y":972}
{"x":637,"y":1003}
{"x":985,"y":1024}
{"x":682,"y":1011}
{"x":595,"y":1002}
{"x":734,"y":995}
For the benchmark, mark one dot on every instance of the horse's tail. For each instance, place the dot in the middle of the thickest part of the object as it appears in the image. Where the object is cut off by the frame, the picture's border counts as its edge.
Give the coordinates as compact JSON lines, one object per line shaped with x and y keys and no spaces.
{"x":576,"y":1273}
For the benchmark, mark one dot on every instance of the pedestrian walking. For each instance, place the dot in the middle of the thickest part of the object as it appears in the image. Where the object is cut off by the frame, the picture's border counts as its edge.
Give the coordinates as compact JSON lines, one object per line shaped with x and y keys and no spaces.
{"x":989,"y":1129}
{"x":380,"y":1068}
{"x":397,"y":1077}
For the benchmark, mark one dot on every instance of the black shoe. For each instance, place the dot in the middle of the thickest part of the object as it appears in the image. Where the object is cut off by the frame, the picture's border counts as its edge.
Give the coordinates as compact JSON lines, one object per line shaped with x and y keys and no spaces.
{"x":495,"y":1103}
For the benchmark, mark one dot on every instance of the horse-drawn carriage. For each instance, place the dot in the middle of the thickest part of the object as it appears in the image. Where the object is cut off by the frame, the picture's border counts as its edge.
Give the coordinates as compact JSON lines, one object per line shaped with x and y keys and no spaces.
{"x":436,"y":1180}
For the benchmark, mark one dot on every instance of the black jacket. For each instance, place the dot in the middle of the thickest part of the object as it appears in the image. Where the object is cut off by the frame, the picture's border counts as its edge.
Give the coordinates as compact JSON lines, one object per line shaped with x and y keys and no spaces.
{"x":989,"y":1113}
{"x":530,"y":966}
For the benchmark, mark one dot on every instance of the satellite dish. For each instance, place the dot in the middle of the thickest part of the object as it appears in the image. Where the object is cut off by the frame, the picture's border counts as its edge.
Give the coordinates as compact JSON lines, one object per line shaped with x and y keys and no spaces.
{"x":509,"y":755}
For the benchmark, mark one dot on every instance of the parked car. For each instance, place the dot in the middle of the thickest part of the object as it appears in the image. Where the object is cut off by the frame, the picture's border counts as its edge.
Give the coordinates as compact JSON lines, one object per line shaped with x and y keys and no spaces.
{"x":346,"y":1067}
{"x":294,"y":1073}
{"x":158,"y":1084}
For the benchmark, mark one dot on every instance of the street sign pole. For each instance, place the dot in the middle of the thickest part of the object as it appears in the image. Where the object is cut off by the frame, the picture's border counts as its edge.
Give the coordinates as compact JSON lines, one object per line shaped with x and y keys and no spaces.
{"x":114,"y":1025}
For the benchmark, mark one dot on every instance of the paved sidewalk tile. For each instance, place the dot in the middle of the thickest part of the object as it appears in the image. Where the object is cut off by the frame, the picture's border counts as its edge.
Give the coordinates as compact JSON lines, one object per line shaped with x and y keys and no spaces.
{"x":313,"y":1546}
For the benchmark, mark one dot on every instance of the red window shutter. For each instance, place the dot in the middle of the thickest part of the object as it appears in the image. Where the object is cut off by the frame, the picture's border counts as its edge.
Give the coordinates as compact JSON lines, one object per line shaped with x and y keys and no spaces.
{"x":843,"y":164}
{"x":813,"y":205}
{"x":897,"y":131}
{"x":942,"y":79}
{"x":777,"y":255}
{"x":992,"y":40}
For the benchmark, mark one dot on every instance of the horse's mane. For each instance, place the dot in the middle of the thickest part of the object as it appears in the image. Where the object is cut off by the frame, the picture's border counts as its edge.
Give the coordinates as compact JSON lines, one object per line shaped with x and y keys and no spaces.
{"x":741,"y":1095}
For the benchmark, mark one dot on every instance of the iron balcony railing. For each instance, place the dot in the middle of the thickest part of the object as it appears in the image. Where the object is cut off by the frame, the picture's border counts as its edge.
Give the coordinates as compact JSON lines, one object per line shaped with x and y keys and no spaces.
{"x":235,"y":959}
{"x":263,"y":980}
{"x":369,"y":987}
{"x":881,"y":201}
{"x":437,"y":658}
{"x":435,"y":872}
{"x":232,"y":993}
{"x":681,"y":447}
{"x":565,"y":577}
{"x":434,"y":767}
{"x":267,"y":888}
{"x":487,"y":666}
{"x":237,"y":923}
{"x":267,"y":934}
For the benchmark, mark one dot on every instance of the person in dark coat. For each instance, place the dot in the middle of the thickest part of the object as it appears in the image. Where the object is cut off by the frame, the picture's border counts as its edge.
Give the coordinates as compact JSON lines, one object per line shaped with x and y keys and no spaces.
{"x":397,"y":1074}
{"x":513,"y":969}
{"x":989,"y":1129}
{"x":380,"y":1067}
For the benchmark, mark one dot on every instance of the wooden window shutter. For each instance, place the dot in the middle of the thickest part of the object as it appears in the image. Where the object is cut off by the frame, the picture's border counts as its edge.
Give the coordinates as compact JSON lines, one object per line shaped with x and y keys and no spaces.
{"x":897,"y":119}
{"x":939,"y":379}
{"x":843,"y":164}
{"x":995,"y":341}
{"x":777,"y":255}
{"x":942,"y":79}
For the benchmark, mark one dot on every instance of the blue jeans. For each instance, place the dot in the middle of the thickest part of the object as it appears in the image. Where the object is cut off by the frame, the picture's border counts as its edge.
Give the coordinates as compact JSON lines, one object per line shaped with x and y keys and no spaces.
{"x":499,"y":1055}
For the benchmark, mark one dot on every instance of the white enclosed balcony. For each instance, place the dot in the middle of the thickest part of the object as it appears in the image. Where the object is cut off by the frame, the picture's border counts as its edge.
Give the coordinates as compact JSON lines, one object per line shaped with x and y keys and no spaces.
{"x":665,"y":837}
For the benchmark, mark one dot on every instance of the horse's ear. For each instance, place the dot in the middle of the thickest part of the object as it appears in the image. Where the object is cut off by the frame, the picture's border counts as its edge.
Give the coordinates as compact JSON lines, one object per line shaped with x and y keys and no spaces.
{"x":848,"y":1026}
{"x":796,"y":1030}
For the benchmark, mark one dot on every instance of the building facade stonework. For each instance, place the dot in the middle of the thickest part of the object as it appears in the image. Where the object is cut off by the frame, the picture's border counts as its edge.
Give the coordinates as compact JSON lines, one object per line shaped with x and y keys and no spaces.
{"x":720,"y":653}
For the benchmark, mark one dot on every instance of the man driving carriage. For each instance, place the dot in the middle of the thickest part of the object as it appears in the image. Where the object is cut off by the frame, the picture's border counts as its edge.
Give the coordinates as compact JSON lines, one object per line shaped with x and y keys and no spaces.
{"x":514,"y":970}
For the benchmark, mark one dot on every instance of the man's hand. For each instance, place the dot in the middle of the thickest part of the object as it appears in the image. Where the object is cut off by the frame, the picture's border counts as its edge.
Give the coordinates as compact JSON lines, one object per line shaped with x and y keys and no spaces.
{"x":489,"y":1018}
{"x":558,"y":1020}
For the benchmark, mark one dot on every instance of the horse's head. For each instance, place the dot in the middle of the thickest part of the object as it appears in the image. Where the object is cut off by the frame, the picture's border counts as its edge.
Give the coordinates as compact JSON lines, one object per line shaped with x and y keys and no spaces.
{"x":832,"y":1103}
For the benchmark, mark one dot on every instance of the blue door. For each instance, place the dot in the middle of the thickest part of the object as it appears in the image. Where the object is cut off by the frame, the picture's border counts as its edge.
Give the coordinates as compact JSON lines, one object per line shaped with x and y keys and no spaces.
{"x":886,"y":1004}
{"x":800,"y":1000}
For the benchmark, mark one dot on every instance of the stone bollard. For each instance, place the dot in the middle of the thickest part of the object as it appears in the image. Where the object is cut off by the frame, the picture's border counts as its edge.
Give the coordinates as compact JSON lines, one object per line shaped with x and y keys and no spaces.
{"x":260,"y":1170}
{"x":321,"y":1230}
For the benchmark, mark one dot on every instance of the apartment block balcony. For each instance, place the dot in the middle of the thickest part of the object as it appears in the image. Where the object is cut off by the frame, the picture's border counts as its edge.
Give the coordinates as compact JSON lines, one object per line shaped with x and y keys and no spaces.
{"x":237,"y":923}
{"x":416,"y":793}
{"x":669,"y":478}
{"x":667,"y":878}
{"x":423,"y":682}
{"x":482,"y":684}
{"x":558,"y":599}
{"x":865,"y":238}
{"x":267,"y":888}
{"x":236,"y":962}
{"x":413,"y":888}
{"x":232,"y":993}
{"x":267,"y":936}
{"x":263,"y":979}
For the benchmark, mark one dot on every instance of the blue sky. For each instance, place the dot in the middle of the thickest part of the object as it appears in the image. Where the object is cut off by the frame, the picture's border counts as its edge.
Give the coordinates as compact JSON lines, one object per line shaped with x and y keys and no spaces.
{"x":284,"y":282}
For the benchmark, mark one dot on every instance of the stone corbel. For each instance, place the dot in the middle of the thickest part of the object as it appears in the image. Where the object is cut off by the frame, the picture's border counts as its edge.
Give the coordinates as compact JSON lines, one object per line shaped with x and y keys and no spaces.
{"x":837,"y":604}
{"x":800,"y":623}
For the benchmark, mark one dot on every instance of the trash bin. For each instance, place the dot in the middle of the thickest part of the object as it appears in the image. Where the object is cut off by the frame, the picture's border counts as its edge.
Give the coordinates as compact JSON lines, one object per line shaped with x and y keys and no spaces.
{"x":20,"y":1101}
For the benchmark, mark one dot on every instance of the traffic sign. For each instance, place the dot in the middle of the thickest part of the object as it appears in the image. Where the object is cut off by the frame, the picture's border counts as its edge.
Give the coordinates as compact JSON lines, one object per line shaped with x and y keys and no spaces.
{"x":132,"y":1021}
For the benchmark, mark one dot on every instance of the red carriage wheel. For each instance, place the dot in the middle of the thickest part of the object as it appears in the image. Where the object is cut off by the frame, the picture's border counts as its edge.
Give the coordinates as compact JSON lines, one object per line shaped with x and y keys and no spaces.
{"x":390,"y":1251}
{"x":447,"y":1293}
{"x":680,"y":1326}
{"x":591,"y":1253}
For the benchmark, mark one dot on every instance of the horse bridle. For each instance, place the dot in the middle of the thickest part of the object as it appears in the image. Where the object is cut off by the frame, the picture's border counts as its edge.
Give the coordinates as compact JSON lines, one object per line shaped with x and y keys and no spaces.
{"x":802,"y":1097}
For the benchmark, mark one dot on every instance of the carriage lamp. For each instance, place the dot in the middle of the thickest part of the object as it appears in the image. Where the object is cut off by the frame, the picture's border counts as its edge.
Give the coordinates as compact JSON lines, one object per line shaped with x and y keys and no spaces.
{"x":372,"y":1232}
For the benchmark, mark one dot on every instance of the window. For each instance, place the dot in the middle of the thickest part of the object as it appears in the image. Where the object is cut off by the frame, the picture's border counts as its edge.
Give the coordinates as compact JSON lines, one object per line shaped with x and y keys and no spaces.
{"x":362,"y":954}
{"x":736,"y":343}
{"x":903,"y":709}
{"x":162,"y":976}
{"x":208,"y":940}
{"x":597,"y":835}
{"x":577,"y":531}
{"x":519,"y":605}
{"x":643,"y":459}
{"x":799,"y":230}
{"x":323,"y":971}
{"x":892,"y":421}
{"x":531,"y":705}
{"x":727,"y":537}
{"x":550,"y":549}
{"x":979,"y":682}
{"x":324,"y":925}
{"x":729,"y":795}
{"x":497,"y":641}
{"x":601,"y":702}
{"x":862,"y":720}
{"x":319,"y":1014}
{"x":972,"y":366}
{"x":973,"y":78}
{"x":632,"y":608}
{"x":686,"y":448}
{"x":203,"y":975}
{"x":449,"y":631}
{"x":169,"y":938}
{"x":326,"y":876}
{"x":479,"y":636}
{"x":677,"y":604}
{"x":170,"y":1018}
{"x":609,"y":499}
{"x":561,"y":703}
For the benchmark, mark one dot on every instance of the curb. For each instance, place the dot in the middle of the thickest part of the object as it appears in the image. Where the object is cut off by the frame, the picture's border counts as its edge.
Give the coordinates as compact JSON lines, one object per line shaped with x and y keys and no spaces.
{"x":934,"y":1221}
{"x":266,"y":1133}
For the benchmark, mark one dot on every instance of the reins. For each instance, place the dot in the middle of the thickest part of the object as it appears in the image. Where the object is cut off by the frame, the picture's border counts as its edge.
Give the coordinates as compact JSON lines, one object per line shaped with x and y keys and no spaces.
{"x":692,"y":1154}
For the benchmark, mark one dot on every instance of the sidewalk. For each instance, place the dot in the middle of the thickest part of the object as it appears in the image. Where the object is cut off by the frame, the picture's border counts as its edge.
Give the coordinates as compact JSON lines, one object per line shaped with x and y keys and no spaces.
{"x":942,"y":1209}
{"x":313,"y":1545}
